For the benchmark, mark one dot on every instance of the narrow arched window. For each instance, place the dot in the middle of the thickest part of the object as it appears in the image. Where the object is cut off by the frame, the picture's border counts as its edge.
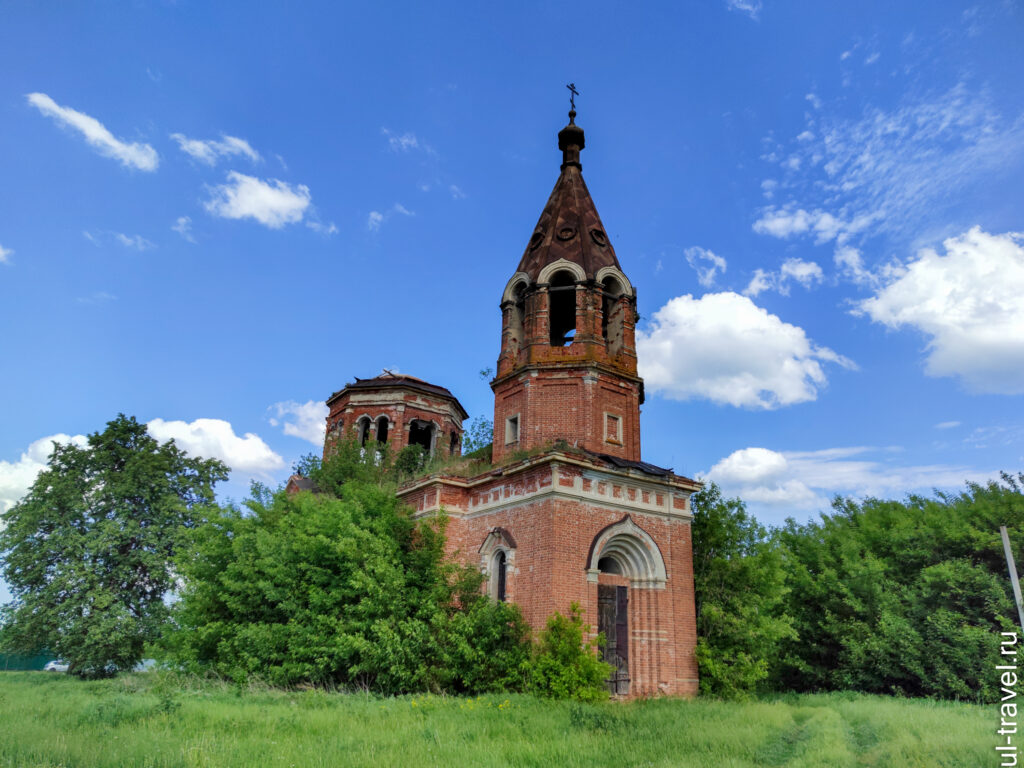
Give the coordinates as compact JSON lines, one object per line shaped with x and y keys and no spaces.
{"x":500,"y":573}
{"x":517,"y":316}
{"x":363,"y":431}
{"x":382,"y":429}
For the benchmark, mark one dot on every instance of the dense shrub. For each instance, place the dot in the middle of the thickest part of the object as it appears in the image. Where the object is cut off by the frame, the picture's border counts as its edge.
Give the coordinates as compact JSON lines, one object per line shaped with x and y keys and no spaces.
{"x":563,"y":665}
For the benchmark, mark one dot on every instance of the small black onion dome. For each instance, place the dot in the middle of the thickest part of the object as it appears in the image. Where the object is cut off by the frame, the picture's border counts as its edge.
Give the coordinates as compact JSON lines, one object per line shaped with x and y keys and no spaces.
{"x":571,"y":134}
{"x":570,"y":141}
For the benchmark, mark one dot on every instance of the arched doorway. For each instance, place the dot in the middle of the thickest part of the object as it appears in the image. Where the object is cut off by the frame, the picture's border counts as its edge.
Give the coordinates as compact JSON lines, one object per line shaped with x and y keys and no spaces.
{"x":628,"y":552}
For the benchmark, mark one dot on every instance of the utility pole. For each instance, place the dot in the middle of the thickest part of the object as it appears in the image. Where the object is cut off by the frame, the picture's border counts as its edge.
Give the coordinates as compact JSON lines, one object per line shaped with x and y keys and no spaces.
{"x":1013,"y":575}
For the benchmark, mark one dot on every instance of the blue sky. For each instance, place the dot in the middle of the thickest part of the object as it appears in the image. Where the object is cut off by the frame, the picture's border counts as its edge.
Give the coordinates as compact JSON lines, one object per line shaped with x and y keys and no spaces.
{"x":214,"y":215}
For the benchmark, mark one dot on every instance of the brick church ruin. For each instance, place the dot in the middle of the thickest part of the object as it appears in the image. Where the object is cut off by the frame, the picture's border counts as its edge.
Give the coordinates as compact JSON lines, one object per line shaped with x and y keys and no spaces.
{"x":567,"y":511}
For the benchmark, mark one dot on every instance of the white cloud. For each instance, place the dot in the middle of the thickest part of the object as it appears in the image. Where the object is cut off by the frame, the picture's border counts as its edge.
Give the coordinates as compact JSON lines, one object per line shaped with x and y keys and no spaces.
{"x":814,"y":99}
{"x":768,"y":187}
{"x":305,"y":420}
{"x":726,"y":349}
{"x":761,"y":281}
{"x":890,"y":171}
{"x":807,"y":273}
{"x":851,"y":265}
{"x":947,"y":424}
{"x":788,"y":221}
{"x":782,"y":223}
{"x":209,"y":150}
{"x":706,"y":264}
{"x":183,"y":226}
{"x":323,"y":229}
{"x":138,"y":242}
{"x":995,"y":435}
{"x":5,"y":255}
{"x":209,"y":438}
{"x":872,"y":58}
{"x":216,"y":439}
{"x":401,"y":143}
{"x":750,"y":7}
{"x":272,"y":203}
{"x":17,"y":476}
{"x":968,"y":302}
{"x":376,"y":219}
{"x":457,"y":194}
{"x":786,"y":482}
{"x":100,"y":297}
{"x":141,"y":156}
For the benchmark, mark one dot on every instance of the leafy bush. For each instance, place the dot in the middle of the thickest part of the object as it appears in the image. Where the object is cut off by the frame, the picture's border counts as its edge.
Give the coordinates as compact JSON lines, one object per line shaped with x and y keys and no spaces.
{"x":563,"y":666}
{"x":341,"y":589}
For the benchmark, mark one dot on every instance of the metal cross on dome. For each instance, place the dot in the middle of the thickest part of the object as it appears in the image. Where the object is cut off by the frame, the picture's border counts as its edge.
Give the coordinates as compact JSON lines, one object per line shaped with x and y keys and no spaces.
{"x":573,"y":93}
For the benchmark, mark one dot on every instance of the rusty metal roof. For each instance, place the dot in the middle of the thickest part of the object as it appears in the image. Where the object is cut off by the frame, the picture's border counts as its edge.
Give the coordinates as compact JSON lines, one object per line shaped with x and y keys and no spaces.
{"x":569,"y":226}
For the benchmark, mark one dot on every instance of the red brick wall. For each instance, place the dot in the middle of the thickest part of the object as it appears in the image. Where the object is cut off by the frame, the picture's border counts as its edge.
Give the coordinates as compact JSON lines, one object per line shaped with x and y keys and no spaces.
{"x":568,"y":404}
{"x":553,"y":537}
{"x":400,"y":407}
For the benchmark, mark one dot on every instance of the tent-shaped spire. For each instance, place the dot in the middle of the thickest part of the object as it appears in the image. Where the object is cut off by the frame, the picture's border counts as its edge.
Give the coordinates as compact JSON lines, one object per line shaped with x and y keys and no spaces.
{"x":569,"y":227}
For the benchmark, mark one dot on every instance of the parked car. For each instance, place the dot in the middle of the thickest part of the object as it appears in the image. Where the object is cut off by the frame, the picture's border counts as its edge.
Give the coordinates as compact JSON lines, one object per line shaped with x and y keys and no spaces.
{"x":56,"y":665}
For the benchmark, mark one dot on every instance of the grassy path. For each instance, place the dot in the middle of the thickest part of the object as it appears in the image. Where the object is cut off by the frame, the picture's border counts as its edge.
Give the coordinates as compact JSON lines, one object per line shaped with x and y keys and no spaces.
{"x":50,"y":720}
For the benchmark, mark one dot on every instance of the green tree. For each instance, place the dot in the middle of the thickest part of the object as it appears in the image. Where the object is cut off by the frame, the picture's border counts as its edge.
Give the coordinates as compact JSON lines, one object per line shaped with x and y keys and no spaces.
{"x":905,"y":597}
{"x":739,"y":585}
{"x":477,"y":436}
{"x":88,"y":552}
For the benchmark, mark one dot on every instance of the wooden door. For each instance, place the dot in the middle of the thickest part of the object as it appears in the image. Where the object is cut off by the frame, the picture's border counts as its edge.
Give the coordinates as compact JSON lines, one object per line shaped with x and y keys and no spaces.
{"x":613,"y":621}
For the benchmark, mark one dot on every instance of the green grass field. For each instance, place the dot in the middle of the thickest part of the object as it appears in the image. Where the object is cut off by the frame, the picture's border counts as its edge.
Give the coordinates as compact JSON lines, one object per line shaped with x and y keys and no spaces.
{"x":48,"y":719}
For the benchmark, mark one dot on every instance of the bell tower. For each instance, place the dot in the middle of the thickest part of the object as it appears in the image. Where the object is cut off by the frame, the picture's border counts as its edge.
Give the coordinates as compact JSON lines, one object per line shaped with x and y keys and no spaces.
{"x":567,"y":367}
{"x":554,"y":526}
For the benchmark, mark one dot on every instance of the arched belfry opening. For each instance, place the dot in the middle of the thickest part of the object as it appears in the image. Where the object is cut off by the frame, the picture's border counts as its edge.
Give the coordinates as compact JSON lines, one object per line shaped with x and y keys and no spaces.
{"x":382,"y":429}
{"x":612,"y":312}
{"x":562,"y":308}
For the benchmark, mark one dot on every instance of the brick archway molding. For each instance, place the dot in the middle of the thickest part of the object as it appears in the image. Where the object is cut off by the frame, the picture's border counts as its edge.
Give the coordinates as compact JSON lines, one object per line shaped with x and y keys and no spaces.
{"x":633,"y":549}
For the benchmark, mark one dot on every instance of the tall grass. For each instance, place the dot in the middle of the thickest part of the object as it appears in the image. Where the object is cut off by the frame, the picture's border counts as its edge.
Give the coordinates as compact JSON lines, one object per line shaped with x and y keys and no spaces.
{"x":152,"y":720}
